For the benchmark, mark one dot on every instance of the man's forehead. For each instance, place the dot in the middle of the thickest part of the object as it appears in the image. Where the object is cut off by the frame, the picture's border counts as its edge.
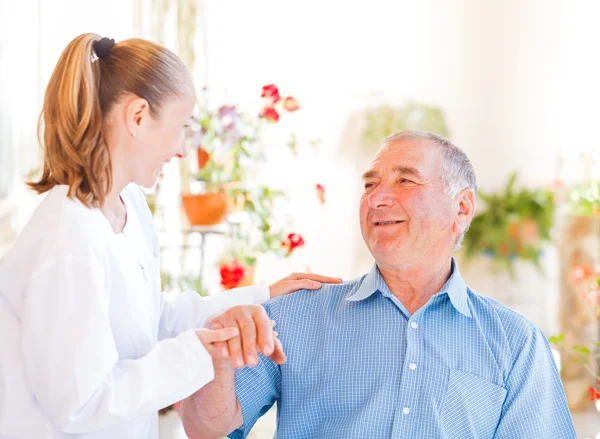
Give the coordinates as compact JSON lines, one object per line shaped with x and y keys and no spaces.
{"x":409,"y":147}
{"x":408,"y":156}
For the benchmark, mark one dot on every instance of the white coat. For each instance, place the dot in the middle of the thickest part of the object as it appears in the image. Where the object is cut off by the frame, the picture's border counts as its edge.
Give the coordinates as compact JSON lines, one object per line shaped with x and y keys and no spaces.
{"x":89,"y":347}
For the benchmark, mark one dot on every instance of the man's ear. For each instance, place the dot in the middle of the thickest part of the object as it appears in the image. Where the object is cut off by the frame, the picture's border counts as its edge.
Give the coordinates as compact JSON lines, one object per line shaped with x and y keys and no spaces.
{"x":465,"y":203}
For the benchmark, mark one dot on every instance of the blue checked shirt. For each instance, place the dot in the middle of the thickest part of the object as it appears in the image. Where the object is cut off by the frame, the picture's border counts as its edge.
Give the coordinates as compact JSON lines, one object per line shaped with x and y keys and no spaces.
{"x":361,"y":366}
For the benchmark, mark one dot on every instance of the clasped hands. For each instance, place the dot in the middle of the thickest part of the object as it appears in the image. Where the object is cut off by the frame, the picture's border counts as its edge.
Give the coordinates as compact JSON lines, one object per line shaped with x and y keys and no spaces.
{"x":241,"y":332}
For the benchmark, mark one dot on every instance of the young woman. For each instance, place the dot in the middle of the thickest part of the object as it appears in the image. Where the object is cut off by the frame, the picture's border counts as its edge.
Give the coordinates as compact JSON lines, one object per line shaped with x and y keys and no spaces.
{"x":90,"y":348}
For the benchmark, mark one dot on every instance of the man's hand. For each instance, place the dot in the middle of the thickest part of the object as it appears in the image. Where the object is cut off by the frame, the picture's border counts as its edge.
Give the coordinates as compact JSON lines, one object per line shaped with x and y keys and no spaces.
{"x":300,"y":281}
{"x":256,"y":333}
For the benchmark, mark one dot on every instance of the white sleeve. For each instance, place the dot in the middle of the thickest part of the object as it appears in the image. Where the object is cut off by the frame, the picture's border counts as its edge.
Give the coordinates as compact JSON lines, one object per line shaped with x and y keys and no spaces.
{"x":72,"y":362}
{"x":190,"y":310}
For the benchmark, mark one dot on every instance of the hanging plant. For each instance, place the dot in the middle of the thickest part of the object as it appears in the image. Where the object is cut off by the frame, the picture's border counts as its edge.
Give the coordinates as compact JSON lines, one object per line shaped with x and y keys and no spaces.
{"x":385,"y":120}
{"x":514,"y":225}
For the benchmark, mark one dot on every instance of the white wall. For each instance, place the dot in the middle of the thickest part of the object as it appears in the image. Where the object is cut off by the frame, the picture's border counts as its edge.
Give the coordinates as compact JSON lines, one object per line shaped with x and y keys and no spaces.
{"x":38,"y":31}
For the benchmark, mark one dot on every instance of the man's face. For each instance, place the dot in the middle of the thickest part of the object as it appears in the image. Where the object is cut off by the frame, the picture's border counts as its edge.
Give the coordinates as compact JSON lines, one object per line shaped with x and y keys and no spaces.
{"x":405,"y":216}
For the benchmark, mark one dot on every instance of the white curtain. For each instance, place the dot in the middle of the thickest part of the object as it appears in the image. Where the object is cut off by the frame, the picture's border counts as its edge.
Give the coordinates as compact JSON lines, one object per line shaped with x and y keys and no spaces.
{"x":6,"y":154}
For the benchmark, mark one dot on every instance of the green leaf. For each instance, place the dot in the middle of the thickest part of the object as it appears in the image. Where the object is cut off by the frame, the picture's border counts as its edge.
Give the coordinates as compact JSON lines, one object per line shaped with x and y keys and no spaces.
{"x":581,"y":350}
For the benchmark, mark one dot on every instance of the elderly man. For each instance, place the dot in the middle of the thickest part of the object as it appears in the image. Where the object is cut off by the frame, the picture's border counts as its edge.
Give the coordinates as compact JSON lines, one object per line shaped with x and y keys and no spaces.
{"x":407,"y":350}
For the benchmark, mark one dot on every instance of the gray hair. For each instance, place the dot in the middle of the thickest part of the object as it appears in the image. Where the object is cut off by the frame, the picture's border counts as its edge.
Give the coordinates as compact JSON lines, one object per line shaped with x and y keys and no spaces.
{"x":457,"y":171}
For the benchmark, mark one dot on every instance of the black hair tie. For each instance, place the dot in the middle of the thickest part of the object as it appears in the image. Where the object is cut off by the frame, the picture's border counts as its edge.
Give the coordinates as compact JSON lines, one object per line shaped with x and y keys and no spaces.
{"x":102,"y":47}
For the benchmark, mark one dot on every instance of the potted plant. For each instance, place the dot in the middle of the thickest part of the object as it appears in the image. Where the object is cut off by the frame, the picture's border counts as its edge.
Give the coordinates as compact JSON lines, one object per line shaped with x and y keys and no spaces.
{"x":230,"y":150}
{"x":386,"y":119}
{"x":513,"y":225}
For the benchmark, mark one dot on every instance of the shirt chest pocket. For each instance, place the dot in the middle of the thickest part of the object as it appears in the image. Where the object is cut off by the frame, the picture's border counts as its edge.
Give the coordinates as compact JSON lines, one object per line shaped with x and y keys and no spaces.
{"x":471,"y":407}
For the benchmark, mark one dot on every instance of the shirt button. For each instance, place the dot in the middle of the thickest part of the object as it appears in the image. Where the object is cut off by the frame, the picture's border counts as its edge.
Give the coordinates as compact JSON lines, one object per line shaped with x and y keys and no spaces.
{"x":412,"y":366}
{"x":414,"y":325}
{"x":406,"y":410}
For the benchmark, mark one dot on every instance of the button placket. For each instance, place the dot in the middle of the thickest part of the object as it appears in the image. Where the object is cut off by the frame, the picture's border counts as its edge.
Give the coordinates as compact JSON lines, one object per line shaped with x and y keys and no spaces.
{"x":410,"y":380}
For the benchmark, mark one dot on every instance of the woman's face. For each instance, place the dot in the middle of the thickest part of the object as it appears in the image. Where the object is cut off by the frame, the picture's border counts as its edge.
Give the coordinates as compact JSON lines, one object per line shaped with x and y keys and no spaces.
{"x":160,"y":138}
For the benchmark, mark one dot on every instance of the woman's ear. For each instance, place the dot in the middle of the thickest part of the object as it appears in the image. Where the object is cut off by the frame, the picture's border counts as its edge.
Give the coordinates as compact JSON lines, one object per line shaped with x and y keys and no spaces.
{"x":136,"y":110}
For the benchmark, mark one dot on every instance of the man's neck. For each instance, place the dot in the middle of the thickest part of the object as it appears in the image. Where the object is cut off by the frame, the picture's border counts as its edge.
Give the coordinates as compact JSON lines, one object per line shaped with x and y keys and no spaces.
{"x":414,"y":286}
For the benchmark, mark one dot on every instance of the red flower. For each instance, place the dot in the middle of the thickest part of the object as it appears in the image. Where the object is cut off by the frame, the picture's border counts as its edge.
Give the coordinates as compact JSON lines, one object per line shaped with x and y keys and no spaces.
{"x":270,"y":113}
{"x":320,"y":193}
{"x":503,"y":249}
{"x":580,"y":273}
{"x":594,"y":394}
{"x":232,"y":274}
{"x":271,"y":92}
{"x":292,"y":242}
{"x":291,"y":104}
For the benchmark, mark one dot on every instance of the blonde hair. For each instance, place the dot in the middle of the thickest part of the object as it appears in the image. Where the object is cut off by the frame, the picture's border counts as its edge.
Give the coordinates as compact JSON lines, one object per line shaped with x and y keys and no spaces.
{"x":81,"y":92}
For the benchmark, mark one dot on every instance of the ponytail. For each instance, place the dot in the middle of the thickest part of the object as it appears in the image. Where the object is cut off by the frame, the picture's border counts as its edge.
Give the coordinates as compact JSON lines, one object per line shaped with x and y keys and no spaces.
{"x":70,"y":127}
{"x":81,"y":91}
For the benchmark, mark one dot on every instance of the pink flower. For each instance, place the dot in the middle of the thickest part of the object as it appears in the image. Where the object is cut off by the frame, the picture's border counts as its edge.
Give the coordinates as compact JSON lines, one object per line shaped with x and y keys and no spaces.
{"x":292,"y":242}
{"x":579,"y":273}
{"x":291,"y":104}
{"x":320,"y":192}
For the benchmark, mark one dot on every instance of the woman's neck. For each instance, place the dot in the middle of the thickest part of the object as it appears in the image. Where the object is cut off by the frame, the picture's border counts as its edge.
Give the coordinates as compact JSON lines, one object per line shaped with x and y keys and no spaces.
{"x":113,"y":208}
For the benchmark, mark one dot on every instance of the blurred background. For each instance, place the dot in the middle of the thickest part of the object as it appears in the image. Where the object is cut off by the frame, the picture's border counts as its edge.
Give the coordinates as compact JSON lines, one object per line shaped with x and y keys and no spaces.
{"x":293,"y":98}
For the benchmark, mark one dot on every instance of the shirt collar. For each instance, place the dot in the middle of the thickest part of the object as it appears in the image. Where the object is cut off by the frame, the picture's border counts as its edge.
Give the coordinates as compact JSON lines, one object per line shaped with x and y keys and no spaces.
{"x":455,"y":287}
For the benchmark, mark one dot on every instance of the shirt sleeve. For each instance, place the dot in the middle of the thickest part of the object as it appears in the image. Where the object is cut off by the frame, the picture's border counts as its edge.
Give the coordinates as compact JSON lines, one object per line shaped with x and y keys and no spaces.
{"x":190,"y":310}
{"x":71,"y":359}
{"x":535,"y":404}
{"x":257,"y":389}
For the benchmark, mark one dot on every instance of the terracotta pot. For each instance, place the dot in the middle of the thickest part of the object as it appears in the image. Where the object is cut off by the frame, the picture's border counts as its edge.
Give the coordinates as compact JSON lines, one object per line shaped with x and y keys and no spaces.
{"x":234,"y":203}
{"x":203,"y":157}
{"x":249,"y":278}
{"x":205,"y":209}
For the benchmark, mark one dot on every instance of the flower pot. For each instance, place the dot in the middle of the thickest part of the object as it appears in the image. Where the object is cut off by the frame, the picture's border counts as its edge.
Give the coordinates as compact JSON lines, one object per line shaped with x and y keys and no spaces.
{"x":205,"y":209}
{"x":203,"y":157}
{"x":235,"y":203}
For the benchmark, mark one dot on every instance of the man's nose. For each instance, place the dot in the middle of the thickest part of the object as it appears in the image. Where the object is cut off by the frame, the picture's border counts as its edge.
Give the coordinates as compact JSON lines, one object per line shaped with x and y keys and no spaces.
{"x":382,"y":196}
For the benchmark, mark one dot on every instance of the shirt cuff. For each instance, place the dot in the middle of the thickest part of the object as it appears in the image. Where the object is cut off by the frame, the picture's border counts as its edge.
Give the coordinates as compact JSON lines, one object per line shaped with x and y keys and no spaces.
{"x":256,"y":295}
{"x":198,"y":359}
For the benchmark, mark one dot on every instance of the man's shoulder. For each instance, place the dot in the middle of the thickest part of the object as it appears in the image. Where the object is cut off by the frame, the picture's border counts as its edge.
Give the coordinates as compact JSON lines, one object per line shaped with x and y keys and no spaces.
{"x":500,"y":319}
{"x":328,"y":294}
